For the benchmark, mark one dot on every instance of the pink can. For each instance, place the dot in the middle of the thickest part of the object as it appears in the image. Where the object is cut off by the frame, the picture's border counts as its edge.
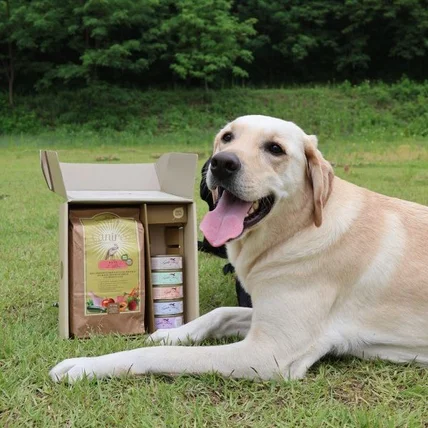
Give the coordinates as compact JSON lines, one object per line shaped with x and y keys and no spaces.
{"x":165,"y":293}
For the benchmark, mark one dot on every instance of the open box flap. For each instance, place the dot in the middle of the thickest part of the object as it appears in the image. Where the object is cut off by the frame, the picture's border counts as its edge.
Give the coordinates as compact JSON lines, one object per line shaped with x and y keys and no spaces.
{"x":52,"y":172}
{"x":176,"y":173}
{"x":171,"y":179}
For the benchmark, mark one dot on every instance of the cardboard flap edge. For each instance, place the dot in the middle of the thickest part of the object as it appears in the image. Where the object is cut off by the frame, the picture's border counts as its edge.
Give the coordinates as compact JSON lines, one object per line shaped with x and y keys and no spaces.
{"x":45,"y":169}
{"x":51,"y":169}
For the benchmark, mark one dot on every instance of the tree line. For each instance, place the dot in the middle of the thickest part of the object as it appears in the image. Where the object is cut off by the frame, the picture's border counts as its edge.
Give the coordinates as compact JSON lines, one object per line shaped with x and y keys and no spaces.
{"x":52,"y":44}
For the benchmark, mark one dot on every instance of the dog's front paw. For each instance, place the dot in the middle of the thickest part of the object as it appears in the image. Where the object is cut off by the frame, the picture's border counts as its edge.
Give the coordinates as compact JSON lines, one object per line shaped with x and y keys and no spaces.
{"x":74,"y":369}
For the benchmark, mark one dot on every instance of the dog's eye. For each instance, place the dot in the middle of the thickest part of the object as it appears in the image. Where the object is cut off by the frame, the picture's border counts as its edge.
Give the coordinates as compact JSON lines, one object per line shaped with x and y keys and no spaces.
{"x":274,"y":149}
{"x":227,"y":137}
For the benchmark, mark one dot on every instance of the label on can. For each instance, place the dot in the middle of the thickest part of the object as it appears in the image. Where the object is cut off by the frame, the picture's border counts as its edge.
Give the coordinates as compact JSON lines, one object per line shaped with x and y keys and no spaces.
{"x":166,"y":262}
{"x":164,"y":278}
{"x":165,"y":293}
{"x":171,"y":307}
{"x":168,"y":322}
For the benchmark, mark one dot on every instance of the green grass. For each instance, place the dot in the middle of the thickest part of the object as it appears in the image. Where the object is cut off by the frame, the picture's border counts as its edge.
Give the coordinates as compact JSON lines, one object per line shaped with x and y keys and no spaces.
{"x":337,"y":392}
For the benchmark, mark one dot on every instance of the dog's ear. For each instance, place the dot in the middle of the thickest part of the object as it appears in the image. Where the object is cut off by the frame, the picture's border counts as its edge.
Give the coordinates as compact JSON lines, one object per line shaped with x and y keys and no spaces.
{"x":205,"y":194}
{"x":209,"y":196}
{"x":320,"y":174}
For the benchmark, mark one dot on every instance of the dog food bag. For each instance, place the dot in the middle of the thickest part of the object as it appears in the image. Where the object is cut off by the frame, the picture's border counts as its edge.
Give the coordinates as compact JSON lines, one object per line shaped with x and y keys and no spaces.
{"x":106,"y":283}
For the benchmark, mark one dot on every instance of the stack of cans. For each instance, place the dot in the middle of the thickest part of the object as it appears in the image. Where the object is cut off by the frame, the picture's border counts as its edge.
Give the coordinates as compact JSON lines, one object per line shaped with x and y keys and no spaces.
{"x":167,"y":282}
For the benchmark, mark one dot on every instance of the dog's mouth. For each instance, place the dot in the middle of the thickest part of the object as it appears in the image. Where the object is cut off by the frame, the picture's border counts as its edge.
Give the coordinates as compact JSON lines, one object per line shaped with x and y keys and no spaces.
{"x":232,"y":216}
{"x":259,"y":209}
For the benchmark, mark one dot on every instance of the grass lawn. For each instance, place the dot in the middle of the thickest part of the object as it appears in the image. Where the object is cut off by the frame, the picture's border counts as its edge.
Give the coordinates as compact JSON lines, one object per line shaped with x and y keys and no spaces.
{"x":337,"y":392}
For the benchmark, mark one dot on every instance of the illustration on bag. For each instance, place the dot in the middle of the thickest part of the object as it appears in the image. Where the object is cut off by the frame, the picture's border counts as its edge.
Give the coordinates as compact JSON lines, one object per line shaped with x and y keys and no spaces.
{"x":111,"y":276}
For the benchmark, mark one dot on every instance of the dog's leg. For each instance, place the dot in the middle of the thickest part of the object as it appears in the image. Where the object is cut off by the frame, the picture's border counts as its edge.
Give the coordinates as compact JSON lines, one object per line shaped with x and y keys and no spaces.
{"x":286,"y":337}
{"x":245,"y":359}
{"x":395,"y":353}
{"x":221,"y":322}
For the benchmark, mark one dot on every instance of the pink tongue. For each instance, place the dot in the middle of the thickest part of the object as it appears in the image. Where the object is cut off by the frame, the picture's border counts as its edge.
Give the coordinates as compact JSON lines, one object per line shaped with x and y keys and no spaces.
{"x":226,"y":221}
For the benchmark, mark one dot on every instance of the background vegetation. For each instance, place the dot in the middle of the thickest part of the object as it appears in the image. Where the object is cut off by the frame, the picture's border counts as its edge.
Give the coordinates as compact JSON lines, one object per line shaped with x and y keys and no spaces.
{"x":341,"y":111}
{"x":50,"y":44}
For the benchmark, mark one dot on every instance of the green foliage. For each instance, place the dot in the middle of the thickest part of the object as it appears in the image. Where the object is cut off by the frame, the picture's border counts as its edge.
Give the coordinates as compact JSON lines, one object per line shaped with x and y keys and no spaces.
{"x":205,"y":40}
{"x":73,"y":44}
{"x":18,"y":120}
{"x":324,"y":40}
{"x":106,"y":36}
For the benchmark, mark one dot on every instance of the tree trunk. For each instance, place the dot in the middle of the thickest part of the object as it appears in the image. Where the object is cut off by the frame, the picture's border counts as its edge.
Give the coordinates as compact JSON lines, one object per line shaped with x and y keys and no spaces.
{"x":10,"y":66}
{"x":11,"y":82}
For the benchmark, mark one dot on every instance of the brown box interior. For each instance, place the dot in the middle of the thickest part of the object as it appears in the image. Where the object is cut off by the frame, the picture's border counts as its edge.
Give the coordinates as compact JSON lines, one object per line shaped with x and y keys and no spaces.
{"x":165,"y":236}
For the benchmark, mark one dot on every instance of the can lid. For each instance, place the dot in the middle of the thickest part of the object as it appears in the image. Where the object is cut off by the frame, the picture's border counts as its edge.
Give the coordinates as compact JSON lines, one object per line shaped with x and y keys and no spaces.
{"x":167,"y":285}
{"x":169,"y":316}
{"x":169,"y":256}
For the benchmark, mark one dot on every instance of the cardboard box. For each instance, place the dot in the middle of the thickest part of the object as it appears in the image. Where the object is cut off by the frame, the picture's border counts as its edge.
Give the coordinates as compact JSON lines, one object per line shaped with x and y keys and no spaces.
{"x":164,"y":193}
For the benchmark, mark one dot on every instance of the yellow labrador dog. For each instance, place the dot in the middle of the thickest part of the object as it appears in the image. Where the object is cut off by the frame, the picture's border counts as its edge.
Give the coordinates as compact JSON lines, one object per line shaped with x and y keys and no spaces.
{"x":330,"y":267}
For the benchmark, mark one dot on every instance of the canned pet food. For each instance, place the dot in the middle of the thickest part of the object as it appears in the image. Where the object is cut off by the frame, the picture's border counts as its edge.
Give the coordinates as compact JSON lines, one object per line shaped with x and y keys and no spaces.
{"x":167,"y":262}
{"x":165,"y":293}
{"x":167,"y":277}
{"x":168,"y":307}
{"x":169,"y":322}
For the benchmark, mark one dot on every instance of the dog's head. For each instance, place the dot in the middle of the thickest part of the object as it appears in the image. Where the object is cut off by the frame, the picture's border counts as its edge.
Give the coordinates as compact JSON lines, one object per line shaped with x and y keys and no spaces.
{"x":257,"y":162}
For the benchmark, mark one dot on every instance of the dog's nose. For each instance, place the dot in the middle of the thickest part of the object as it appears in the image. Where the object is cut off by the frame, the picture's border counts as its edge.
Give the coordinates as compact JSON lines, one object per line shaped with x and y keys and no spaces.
{"x":224,"y":165}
